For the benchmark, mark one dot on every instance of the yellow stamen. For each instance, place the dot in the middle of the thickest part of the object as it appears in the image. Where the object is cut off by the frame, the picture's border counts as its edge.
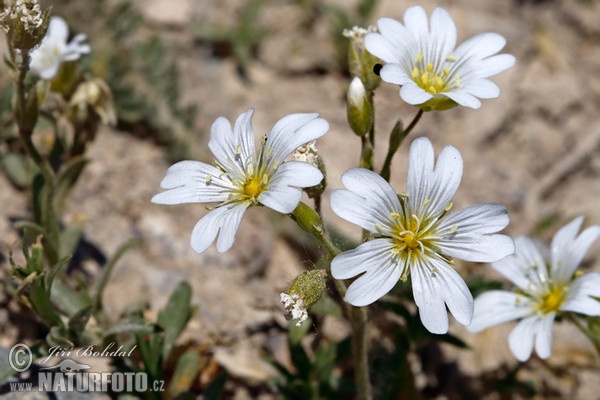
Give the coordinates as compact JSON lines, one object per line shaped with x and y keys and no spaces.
{"x":552,"y":300}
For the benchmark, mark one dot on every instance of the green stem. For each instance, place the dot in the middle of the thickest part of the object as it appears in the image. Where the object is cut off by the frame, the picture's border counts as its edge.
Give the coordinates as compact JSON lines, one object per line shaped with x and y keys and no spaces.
{"x":367,"y":153}
{"x":396,"y":139}
{"x":309,"y":221}
{"x":413,"y":123}
{"x":593,"y":338}
{"x":360,"y":349}
{"x":108,"y":269}
{"x":48,"y":218}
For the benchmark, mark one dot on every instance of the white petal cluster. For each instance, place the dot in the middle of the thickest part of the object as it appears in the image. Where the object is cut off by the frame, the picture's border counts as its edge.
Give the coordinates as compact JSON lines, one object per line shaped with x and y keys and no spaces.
{"x":547,"y":284}
{"x":421,"y":57}
{"x":295,"y":306}
{"x":47,"y":58}
{"x":414,"y":234}
{"x":244,"y":176}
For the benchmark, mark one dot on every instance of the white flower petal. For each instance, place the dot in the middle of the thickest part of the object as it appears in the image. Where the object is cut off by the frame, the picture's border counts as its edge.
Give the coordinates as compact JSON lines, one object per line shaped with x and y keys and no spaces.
{"x":429,"y":191}
{"x":420,"y":172}
{"x":580,"y":298}
{"x":368,"y":201}
{"x":465,"y":233}
{"x":243,"y":135}
{"x":397,"y":35}
{"x":415,"y":20}
{"x":281,"y":198}
{"x":353,"y":208}
{"x":543,"y":338}
{"x":297,"y":174}
{"x":413,"y":94}
{"x":480,"y":46}
{"x":435,"y":285}
{"x":446,"y":179}
{"x":568,"y":249}
{"x":521,"y":337}
{"x":222,"y":142}
{"x":443,"y":34}
{"x":223,"y":221}
{"x":493,"y":65}
{"x":482,"y":88}
{"x":524,"y":265}
{"x":478,"y":248}
{"x":381,"y":47}
{"x":382,"y":274}
{"x":498,"y":306}
{"x":58,"y":29}
{"x":282,"y":193}
{"x":393,"y":73}
{"x":482,"y":218}
{"x":464,"y":99}
{"x":189,"y":183}
{"x":291,"y":132}
{"x":76,"y":48}
{"x":48,"y":72}
{"x":367,"y":256}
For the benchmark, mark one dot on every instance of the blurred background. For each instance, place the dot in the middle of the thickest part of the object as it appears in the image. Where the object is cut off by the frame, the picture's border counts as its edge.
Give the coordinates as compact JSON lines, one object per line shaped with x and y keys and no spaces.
{"x":174,"y":66}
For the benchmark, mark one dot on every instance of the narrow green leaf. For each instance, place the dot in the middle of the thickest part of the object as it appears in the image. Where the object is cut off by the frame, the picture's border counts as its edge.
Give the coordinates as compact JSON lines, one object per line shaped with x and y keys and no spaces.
{"x":66,"y":179}
{"x":214,"y":390}
{"x":131,"y":325}
{"x":175,"y":315}
{"x":69,"y":238}
{"x":67,"y":299}
{"x":185,"y":374}
{"x":16,"y":169}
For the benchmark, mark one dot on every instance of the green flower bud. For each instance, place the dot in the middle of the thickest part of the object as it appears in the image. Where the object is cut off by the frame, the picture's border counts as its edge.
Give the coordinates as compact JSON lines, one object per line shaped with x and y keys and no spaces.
{"x":360,"y":61}
{"x":360,"y":109}
{"x":26,"y":24}
{"x":303,"y":292}
{"x":308,"y":219}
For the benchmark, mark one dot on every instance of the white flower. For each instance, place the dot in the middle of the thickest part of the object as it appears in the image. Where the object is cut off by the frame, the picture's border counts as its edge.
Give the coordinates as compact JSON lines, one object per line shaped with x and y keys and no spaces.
{"x":295,"y":306}
{"x":243,"y":177}
{"x":414,"y":233}
{"x":54,"y":49}
{"x":422,"y":59}
{"x":547,"y":285}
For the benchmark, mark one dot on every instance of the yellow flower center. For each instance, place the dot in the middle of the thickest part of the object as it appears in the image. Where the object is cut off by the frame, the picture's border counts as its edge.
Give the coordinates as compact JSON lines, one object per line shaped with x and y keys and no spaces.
{"x":412,"y":238}
{"x":254,"y":186}
{"x":431,"y":79}
{"x":551,"y":301}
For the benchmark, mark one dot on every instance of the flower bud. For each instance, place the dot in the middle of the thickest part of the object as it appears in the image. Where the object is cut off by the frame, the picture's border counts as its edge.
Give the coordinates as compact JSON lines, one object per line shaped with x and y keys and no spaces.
{"x":307,"y":219}
{"x":303,"y":292}
{"x":94,"y":94}
{"x":360,"y":109}
{"x":25,"y":24}
{"x":360,"y":61}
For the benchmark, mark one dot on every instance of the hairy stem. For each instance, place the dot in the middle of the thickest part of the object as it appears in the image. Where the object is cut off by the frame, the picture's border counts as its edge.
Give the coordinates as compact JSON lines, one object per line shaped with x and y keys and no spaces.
{"x":356,"y":315}
{"x":48,"y":216}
